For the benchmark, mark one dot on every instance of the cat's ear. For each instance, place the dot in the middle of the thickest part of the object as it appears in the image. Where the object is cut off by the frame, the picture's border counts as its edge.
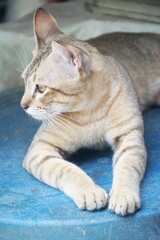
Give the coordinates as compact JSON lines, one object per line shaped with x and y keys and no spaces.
{"x":77,"y":57}
{"x":44,"y":27}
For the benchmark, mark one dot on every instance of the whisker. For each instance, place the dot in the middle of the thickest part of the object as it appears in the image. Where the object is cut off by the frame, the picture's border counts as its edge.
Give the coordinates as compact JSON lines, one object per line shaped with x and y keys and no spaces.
{"x":69,"y":117}
{"x":18,"y":70}
{"x":61,"y":122}
{"x":25,"y":55}
{"x":53,"y":119}
{"x":19,"y":58}
{"x":53,"y":123}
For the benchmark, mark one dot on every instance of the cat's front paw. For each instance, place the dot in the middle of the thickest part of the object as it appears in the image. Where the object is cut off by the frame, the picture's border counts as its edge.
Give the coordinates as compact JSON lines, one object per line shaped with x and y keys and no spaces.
{"x":124,"y":202}
{"x":90,"y":198}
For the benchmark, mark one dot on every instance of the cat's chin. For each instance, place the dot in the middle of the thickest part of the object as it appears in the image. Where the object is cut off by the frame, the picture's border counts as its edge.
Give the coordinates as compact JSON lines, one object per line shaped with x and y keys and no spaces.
{"x":34,"y":113}
{"x":36,"y":117}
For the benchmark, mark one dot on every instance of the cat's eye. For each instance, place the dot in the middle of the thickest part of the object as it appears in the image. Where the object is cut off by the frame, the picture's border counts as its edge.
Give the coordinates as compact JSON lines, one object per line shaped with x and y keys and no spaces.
{"x":40,"y":88}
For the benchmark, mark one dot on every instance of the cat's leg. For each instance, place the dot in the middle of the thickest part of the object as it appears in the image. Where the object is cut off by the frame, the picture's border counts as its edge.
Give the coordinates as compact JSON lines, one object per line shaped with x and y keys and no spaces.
{"x":129,"y":163}
{"x":45,"y":161}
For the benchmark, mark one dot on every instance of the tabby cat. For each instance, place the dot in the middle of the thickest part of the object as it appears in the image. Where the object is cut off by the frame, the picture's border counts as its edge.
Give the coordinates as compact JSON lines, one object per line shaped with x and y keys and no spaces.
{"x":86,"y":99}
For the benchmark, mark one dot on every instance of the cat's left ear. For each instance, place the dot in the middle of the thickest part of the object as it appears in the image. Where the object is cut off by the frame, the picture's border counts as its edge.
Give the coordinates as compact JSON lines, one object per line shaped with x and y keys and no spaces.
{"x":44,"y":27}
{"x":75,"y":56}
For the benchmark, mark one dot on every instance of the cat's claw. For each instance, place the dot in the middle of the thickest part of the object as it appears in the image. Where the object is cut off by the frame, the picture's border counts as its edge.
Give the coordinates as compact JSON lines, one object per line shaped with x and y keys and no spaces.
{"x":124,"y":202}
{"x":92,"y":198}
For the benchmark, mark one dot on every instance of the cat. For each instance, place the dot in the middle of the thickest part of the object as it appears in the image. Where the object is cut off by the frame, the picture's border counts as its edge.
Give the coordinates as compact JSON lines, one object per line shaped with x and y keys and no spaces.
{"x":85,"y":99}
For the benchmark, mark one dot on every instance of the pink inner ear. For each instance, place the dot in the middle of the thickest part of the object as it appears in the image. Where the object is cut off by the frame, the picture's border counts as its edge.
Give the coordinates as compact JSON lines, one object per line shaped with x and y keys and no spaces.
{"x":75,"y":56}
{"x":71,"y":53}
{"x":79,"y":58}
{"x":77,"y":61}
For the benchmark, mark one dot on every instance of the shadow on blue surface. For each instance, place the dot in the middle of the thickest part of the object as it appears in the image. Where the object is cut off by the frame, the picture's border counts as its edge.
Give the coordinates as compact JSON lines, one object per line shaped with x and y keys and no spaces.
{"x":32,"y":210}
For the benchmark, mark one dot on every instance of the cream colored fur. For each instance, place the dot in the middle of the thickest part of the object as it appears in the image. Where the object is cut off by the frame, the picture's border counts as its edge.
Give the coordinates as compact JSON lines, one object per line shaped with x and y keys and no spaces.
{"x":89,"y":100}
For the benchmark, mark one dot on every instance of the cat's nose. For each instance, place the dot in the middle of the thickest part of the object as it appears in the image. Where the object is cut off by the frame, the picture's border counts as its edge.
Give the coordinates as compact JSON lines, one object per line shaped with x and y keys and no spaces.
{"x":25,"y":107}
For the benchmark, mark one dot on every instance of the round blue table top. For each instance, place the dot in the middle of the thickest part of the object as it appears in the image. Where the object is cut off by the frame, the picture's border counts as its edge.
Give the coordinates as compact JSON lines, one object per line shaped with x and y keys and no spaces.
{"x":30,"y":209}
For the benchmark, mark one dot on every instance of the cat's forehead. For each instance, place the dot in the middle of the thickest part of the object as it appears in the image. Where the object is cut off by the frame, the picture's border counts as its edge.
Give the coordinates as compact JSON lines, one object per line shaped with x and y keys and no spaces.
{"x":35,"y":62}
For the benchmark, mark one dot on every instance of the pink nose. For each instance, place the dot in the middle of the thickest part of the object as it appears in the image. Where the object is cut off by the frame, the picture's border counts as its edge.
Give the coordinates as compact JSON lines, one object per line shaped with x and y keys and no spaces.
{"x":25,"y":107}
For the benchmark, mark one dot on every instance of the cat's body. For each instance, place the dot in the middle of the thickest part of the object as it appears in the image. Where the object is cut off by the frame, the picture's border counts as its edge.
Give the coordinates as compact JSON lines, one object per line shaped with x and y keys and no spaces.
{"x":85,"y":99}
{"x":140,"y":54}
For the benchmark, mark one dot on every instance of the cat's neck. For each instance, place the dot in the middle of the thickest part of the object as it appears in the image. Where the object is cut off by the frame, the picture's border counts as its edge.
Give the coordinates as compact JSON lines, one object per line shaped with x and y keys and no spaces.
{"x":91,"y":98}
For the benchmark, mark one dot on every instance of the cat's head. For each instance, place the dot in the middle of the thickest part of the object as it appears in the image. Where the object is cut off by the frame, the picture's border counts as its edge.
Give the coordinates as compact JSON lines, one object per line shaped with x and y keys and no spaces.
{"x":55,"y":79}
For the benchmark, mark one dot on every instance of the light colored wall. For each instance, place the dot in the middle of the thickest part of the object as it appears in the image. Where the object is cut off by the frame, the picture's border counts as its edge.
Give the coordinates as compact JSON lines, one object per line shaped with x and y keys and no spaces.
{"x":19,"y":8}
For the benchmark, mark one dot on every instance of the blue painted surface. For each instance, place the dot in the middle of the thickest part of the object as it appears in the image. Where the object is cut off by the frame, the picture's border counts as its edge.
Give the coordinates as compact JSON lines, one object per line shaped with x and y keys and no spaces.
{"x":32,"y":210}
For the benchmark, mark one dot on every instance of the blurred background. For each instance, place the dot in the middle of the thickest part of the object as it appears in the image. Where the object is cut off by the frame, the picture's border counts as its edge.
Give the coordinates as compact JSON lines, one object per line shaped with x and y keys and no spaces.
{"x":84,"y":19}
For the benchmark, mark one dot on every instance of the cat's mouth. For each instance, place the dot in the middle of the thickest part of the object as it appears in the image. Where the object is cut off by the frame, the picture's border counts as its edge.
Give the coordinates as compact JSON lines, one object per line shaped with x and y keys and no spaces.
{"x":42,"y":114}
{"x":36,"y":113}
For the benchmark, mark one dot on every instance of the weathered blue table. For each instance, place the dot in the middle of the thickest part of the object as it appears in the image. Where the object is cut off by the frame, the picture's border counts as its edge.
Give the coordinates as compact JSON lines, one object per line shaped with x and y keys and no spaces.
{"x":32,"y":210}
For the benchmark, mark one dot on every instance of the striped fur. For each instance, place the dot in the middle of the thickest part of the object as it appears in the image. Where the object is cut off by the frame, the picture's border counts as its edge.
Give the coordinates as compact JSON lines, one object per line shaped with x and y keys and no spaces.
{"x":92,"y":103}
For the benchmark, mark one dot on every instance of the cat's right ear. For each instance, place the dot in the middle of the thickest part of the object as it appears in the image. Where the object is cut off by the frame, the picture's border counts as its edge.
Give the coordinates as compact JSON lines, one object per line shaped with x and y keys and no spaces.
{"x":44,"y":26}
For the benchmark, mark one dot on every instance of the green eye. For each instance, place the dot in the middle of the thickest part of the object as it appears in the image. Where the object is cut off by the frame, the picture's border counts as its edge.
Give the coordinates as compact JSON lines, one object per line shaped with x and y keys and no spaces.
{"x":40,"y":88}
